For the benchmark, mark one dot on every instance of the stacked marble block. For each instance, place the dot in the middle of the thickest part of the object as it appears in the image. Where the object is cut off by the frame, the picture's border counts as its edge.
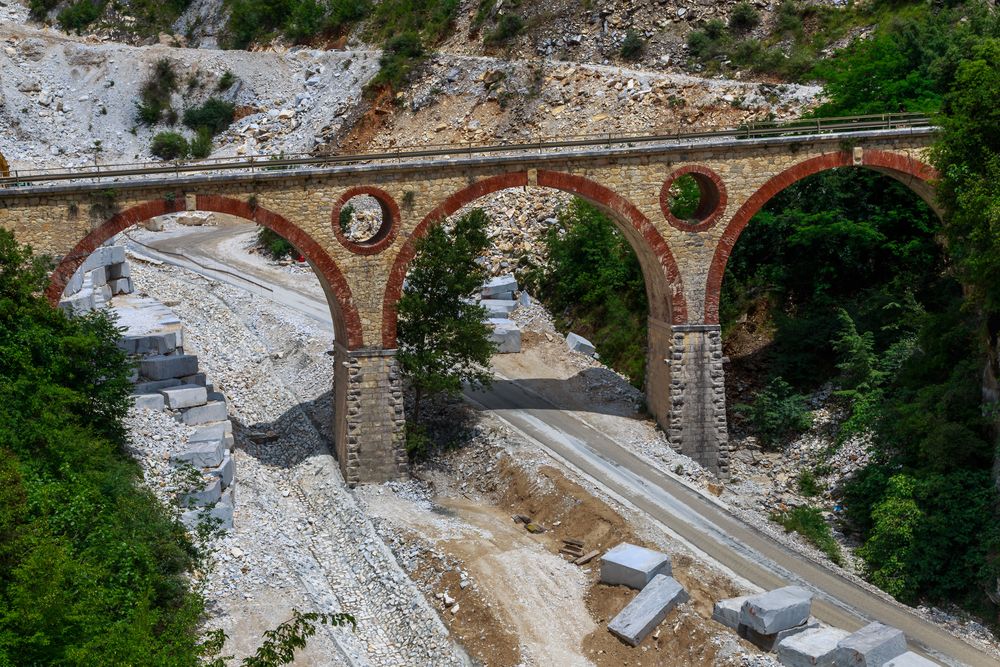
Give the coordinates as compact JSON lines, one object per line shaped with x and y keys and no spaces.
{"x":497,"y":297}
{"x":169,"y":380}
{"x":104,"y":274}
{"x":650,"y":572}
{"x":780,"y":621}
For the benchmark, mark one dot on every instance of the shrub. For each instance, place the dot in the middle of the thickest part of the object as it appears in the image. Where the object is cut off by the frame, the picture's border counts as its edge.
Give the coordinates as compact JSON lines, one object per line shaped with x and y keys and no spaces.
{"x":170,"y":146}
{"x":702,"y":46}
{"x":400,"y":55}
{"x":715,"y":29}
{"x":215,"y":115}
{"x":808,"y":486}
{"x":633,"y":47}
{"x":79,"y":15}
{"x":809,"y":523}
{"x":345,"y":218}
{"x":41,"y":8}
{"x":508,"y":27}
{"x":226,"y":81}
{"x":777,"y":413}
{"x":201,"y":145}
{"x":743,"y":18}
{"x":154,"y":98}
{"x":273,"y":244}
{"x":788,"y":18}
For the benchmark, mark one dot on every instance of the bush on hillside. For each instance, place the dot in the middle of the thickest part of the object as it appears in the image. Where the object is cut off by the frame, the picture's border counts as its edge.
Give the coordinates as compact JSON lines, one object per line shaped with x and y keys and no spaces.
{"x":777,"y":414}
{"x":170,"y":146}
{"x":508,"y":27}
{"x":154,"y":97}
{"x":214,"y":114}
{"x":633,"y":46}
{"x":79,"y":15}
{"x":201,"y":144}
{"x":743,"y":18}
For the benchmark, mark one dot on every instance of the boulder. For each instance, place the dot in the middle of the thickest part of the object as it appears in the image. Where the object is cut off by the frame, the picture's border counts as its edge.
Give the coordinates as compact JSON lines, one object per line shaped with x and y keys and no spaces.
{"x":578,"y":343}
{"x":816,"y":647}
{"x":780,"y":609}
{"x":632,"y":566}
{"x":871,"y":646}
{"x":648,"y":609}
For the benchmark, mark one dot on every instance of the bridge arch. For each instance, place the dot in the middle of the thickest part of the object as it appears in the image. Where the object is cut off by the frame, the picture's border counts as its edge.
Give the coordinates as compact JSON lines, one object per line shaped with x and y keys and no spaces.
{"x":916,"y":175}
{"x":662,"y":276}
{"x":346,"y":319}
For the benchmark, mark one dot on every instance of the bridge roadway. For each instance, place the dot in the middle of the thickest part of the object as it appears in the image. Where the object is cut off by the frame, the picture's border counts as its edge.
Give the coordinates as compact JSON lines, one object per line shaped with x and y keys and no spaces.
{"x":613,"y":143}
{"x":696,"y":518}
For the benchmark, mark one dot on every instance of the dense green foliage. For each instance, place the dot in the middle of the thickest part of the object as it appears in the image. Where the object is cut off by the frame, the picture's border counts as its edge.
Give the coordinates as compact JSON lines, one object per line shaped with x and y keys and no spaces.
{"x":214,"y":114}
{"x":201,"y":144}
{"x":777,"y":414}
{"x":170,"y":146}
{"x":92,"y":567}
{"x":443,"y":341}
{"x":685,"y":195}
{"x":593,"y":285}
{"x":400,"y":56}
{"x":301,"y":20}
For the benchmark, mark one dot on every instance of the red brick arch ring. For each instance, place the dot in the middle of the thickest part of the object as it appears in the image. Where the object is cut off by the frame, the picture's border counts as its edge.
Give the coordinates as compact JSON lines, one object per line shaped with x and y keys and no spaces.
{"x":346,"y":320}
{"x":915,"y":174}
{"x":662,"y":277}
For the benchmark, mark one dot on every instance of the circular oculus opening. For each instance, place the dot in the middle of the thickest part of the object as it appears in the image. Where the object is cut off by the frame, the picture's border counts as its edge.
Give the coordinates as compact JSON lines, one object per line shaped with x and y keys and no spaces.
{"x":692,"y":198}
{"x":365,"y":220}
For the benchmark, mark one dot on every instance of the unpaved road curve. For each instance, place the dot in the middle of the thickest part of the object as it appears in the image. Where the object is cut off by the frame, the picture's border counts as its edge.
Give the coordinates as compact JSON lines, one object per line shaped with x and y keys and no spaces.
{"x":703,"y":523}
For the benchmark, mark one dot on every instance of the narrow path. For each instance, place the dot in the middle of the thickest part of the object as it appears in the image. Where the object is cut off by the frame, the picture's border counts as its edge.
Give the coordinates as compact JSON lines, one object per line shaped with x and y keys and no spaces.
{"x":703,"y":523}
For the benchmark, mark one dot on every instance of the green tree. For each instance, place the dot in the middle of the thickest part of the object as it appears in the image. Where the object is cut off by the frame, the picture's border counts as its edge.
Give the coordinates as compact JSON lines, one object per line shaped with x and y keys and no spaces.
{"x":443,"y":341}
{"x":169,"y":146}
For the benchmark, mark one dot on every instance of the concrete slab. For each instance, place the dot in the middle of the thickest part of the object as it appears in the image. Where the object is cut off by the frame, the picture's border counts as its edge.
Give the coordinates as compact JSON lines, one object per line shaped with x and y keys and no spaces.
{"x":633,"y":566}
{"x":578,"y":343}
{"x":812,"y":648}
{"x":496,"y":287}
{"x":780,"y":609}
{"x":149,"y":401}
{"x":184,"y":396}
{"x":200,"y":454}
{"x":728,"y":611}
{"x":871,"y":646}
{"x":163,"y":367}
{"x":911,"y":659}
{"x":648,"y":609}
{"x":210,"y":412}
{"x":769,"y":642}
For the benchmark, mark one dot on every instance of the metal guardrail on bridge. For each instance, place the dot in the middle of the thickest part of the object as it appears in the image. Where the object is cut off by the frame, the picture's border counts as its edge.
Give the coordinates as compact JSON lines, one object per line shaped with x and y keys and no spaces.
{"x":805,"y":127}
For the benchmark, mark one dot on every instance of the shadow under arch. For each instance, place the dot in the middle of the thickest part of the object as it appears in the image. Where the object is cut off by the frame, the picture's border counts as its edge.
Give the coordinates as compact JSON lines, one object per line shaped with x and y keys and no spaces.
{"x":346,"y":320}
{"x":661,"y":274}
{"x":916,"y":175}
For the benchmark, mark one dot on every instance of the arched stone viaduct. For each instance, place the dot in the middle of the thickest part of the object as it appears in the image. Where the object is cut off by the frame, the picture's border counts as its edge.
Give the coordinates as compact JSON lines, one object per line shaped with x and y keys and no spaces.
{"x":683,"y":262}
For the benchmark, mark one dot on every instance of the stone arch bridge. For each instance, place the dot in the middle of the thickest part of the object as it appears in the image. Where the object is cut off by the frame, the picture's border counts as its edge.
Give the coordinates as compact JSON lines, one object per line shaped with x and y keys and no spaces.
{"x":69,"y":214}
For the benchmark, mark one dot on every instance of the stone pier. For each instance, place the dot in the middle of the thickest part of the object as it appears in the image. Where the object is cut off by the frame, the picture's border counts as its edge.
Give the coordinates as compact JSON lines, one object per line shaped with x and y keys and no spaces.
{"x":369,"y":427}
{"x":698,"y":396}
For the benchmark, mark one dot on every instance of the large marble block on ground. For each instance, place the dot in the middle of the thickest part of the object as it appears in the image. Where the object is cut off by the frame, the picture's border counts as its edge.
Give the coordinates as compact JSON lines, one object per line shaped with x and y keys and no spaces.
{"x":911,"y":659}
{"x":210,"y":412}
{"x":648,"y":609}
{"x":816,"y":647}
{"x":728,"y":611}
{"x":578,"y":343}
{"x":209,"y":494}
{"x":506,"y":334}
{"x":163,"y":367}
{"x":149,"y":401}
{"x":201,"y":454}
{"x":633,"y":566}
{"x":770,"y":641}
{"x":871,"y":646}
{"x":780,"y":609}
{"x":499,"y":286}
{"x":184,"y":396}
{"x":498,"y":307}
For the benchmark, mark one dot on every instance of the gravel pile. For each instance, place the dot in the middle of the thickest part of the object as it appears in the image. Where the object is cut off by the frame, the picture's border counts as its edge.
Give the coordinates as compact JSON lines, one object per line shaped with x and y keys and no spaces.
{"x":297,"y":529}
